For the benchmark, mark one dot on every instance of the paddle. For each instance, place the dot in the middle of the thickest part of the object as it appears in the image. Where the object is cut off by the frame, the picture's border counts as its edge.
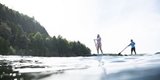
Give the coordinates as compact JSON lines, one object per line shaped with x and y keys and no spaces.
{"x":122,"y":50}
{"x":95,"y":43}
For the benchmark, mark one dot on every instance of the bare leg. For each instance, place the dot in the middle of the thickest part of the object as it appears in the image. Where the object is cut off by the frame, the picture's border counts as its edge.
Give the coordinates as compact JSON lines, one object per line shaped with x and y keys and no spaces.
{"x":101,"y":50}
{"x":98,"y":49}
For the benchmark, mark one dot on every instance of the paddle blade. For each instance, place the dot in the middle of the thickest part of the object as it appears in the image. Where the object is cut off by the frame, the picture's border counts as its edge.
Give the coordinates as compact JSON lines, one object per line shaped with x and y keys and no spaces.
{"x":119,"y":54}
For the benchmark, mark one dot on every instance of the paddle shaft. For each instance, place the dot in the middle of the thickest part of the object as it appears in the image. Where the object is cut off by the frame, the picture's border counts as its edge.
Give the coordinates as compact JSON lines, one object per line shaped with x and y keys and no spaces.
{"x":95,"y":43}
{"x":124,"y":49}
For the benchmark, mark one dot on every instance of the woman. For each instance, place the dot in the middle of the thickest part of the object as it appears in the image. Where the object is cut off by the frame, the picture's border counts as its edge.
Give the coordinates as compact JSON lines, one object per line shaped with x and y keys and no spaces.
{"x":98,"y":44}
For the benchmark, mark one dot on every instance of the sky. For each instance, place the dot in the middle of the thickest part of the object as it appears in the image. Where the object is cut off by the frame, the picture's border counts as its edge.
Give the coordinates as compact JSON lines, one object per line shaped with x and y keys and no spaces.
{"x":117,"y":21}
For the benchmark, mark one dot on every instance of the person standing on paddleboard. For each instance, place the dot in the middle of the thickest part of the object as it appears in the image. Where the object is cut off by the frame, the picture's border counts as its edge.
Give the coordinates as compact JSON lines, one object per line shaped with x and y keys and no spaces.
{"x":132,"y":44}
{"x":98,"y":44}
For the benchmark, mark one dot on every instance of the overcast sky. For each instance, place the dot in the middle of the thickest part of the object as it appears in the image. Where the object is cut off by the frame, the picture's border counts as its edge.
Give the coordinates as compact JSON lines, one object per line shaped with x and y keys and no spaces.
{"x":117,"y":21}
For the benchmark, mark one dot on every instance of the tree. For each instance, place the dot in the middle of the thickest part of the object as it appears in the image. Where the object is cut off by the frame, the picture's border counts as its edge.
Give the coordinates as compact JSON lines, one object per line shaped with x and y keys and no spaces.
{"x":4,"y":46}
{"x":79,"y":49}
{"x":21,"y":34}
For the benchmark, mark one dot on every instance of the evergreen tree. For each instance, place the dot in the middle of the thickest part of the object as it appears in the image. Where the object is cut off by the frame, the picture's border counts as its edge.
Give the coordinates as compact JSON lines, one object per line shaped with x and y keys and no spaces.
{"x":23,"y":35}
{"x":4,"y":46}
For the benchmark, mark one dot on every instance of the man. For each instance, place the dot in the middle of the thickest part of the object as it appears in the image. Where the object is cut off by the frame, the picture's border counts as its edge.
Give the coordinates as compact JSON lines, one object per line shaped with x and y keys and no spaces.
{"x":132,"y":44}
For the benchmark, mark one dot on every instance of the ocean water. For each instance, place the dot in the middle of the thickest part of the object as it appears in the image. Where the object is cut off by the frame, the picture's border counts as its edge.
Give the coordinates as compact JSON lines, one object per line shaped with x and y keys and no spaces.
{"x":138,"y":67}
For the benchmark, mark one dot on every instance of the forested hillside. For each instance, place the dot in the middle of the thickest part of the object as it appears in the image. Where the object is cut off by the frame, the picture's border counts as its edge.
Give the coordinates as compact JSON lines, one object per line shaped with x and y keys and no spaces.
{"x":23,"y":35}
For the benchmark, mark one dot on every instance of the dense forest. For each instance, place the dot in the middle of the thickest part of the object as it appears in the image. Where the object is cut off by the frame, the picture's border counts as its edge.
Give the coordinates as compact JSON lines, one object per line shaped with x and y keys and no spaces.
{"x":23,"y":35}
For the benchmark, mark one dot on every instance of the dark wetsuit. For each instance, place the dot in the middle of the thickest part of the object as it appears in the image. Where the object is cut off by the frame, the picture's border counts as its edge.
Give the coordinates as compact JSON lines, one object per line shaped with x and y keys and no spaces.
{"x":132,"y":44}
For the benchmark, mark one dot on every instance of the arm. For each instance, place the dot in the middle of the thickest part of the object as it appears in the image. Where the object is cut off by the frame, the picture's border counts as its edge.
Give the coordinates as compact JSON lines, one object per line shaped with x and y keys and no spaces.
{"x":129,"y":44}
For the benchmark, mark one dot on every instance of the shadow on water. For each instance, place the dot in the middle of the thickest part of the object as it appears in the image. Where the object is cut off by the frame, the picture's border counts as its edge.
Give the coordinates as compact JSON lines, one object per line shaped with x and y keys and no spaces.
{"x":133,"y":74}
{"x":37,"y":75}
{"x":136,"y":74}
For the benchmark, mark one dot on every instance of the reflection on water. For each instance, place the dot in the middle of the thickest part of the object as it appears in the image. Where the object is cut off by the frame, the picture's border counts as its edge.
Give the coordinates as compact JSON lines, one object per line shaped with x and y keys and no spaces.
{"x":23,"y":69}
{"x":7,"y":72}
{"x":79,"y":68}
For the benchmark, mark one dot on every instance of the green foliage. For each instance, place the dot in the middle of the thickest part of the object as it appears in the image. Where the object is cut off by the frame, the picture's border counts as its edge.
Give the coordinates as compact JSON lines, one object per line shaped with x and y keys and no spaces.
{"x":5,"y":31}
{"x":29,"y":25}
{"x":22,"y":35}
{"x":4,"y":46}
{"x":79,"y":49}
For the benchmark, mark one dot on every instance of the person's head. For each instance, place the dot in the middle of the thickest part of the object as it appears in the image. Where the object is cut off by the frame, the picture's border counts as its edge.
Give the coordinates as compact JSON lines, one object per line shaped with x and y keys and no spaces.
{"x":98,"y":35}
{"x":131,"y":40}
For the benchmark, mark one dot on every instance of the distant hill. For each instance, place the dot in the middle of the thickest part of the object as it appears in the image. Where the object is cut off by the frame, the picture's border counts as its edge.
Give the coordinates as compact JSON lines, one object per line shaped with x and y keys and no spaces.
{"x":23,"y":35}
{"x":27,"y":24}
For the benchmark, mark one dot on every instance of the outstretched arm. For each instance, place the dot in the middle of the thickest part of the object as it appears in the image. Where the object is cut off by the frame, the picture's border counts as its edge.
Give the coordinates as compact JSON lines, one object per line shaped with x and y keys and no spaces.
{"x":129,"y":44}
